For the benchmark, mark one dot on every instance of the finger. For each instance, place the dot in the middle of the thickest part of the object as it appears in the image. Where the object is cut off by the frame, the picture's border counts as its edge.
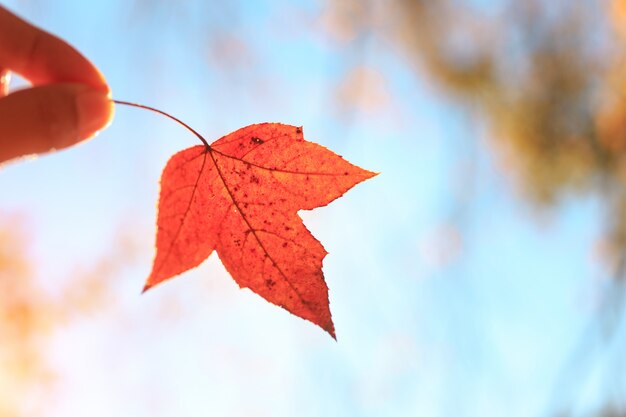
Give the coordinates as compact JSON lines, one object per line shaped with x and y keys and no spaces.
{"x":5,"y":80}
{"x":41,"y":57}
{"x":50,"y":117}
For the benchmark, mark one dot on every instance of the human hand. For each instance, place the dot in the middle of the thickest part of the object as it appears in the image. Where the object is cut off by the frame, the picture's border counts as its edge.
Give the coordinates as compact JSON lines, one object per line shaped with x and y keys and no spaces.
{"x":68,"y":102}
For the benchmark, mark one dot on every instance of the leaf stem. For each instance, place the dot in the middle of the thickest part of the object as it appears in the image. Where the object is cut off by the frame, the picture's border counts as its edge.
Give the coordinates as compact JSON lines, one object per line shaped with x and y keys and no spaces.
{"x":180,"y":122}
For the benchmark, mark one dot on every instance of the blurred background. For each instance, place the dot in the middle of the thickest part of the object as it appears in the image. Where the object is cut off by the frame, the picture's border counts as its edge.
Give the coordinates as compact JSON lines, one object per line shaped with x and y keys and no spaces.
{"x":480,"y":274}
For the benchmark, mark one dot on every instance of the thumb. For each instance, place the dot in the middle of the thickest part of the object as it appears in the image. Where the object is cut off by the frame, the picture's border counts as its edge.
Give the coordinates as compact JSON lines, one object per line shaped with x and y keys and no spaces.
{"x":49,"y":117}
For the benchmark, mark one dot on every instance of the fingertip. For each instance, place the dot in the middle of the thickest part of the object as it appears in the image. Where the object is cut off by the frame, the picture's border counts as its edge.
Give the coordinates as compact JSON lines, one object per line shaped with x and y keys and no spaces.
{"x":52,"y":117}
{"x":95,"y":112}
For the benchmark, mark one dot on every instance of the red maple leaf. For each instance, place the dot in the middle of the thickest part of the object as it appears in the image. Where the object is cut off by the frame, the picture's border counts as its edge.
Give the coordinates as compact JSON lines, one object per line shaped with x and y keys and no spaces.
{"x":240,"y":196}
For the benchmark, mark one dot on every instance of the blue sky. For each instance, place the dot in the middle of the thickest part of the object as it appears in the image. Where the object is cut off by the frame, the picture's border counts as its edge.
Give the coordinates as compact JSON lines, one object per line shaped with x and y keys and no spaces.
{"x":485,"y":332}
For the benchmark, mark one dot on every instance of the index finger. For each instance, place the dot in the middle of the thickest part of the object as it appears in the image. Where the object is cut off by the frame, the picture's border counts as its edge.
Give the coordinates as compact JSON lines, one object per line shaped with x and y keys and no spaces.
{"x":43,"y":58}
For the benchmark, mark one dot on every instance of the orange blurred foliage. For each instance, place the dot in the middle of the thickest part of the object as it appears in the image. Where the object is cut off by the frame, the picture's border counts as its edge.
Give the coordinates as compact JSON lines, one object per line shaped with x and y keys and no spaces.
{"x":26,"y":317}
{"x":364,"y":89}
{"x":30,"y":316}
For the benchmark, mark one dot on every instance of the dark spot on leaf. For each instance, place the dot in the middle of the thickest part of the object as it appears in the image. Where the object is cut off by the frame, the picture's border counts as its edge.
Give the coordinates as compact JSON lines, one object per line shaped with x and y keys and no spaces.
{"x":298,"y":130}
{"x":270,"y":283}
{"x":256,"y":140}
{"x":254,"y":179}
{"x":285,"y":244}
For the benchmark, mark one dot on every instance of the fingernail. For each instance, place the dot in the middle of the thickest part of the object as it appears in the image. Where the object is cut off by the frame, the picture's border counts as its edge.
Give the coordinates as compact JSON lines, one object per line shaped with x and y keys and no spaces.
{"x":95,"y":112}
{"x":5,"y":80}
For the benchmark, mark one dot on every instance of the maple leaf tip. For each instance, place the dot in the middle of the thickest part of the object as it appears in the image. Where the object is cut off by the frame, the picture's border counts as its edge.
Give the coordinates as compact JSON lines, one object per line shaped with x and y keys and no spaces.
{"x":330,"y":330}
{"x":146,"y":288}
